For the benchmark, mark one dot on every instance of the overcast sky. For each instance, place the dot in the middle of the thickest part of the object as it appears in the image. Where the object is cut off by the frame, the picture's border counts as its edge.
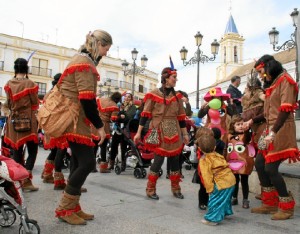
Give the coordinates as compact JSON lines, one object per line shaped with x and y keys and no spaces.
{"x":156,"y":28}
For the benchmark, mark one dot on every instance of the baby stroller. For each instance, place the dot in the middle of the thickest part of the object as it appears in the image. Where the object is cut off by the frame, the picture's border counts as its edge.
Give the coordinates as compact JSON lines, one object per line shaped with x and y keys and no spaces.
{"x":189,"y":151}
{"x":137,"y":157}
{"x":11,"y":196}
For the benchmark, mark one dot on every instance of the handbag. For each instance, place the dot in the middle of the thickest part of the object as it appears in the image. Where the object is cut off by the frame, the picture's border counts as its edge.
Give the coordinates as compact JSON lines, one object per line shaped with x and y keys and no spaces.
{"x":21,"y":124}
{"x":261,"y":144}
{"x":57,"y":113}
{"x":152,"y":138}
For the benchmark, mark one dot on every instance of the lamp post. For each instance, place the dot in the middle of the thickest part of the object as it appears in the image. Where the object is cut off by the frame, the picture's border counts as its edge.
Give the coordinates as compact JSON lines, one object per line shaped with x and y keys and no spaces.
{"x":199,"y":57}
{"x":287,"y":45}
{"x":134,"y":70}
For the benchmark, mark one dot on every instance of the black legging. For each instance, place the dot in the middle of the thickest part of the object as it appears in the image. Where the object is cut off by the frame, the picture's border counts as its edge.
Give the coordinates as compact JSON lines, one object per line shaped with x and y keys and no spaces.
{"x":115,"y":141}
{"x":159,"y":160}
{"x":82,"y":163}
{"x":269,"y":175}
{"x":57,"y":155}
{"x":103,"y":148}
{"x":181,"y":161}
{"x":32,"y":149}
{"x":244,"y":183}
{"x":59,"y":159}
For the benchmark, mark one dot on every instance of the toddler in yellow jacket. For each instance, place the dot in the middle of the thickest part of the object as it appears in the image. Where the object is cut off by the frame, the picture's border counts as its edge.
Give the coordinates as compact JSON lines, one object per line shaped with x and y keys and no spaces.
{"x":218,"y":180}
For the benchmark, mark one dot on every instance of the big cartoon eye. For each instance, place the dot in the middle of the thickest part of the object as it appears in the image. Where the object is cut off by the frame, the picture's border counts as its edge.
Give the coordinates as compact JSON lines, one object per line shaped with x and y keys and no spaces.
{"x":222,"y":112}
{"x":229,"y":148}
{"x":239,"y":148}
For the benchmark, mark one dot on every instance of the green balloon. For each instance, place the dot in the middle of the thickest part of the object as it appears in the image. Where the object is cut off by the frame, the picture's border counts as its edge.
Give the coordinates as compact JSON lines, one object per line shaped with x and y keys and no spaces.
{"x":215,"y":104}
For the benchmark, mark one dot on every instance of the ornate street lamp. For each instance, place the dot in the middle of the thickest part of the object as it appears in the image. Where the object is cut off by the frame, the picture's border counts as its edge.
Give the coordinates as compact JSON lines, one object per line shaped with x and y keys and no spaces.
{"x":198,"y":58}
{"x":134,"y":70}
{"x":287,"y":45}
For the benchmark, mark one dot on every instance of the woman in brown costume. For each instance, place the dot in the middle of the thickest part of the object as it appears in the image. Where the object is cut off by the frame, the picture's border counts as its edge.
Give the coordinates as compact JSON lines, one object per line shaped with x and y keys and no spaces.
{"x":280,"y":103}
{"x":165,"y":108}
{"x":23,"y":102}
{"x":79,"y":83}
{"x":108,"y":110}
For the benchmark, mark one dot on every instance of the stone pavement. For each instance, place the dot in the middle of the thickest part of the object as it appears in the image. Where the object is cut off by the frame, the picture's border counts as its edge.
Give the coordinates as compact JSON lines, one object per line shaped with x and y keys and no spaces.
{"x":120,"y":206}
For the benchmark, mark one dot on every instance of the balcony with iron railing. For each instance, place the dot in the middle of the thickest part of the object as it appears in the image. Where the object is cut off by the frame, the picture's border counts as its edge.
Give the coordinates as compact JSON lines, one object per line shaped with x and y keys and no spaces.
{"x":39,"y":71}
{"x":123,"y":85}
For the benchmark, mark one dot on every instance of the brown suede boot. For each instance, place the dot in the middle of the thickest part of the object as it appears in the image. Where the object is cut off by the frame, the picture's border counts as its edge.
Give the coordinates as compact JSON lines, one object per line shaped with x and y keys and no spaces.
{"x":269,"y":198}
{"x":80,"y":213}
{"x":59,"y":181}
{"x":104,"y":167}
{"x":175,"y":178}
{"x":27,"y":184}
{"x":47,"y":174}
{"x":67,"y":209}
{"x":151,"y":185}
{"x":285,"y":208}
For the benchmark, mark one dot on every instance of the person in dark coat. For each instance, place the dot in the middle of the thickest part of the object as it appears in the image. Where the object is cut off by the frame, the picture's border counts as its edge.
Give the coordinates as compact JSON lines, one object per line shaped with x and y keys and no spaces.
{"x":235,"y":93}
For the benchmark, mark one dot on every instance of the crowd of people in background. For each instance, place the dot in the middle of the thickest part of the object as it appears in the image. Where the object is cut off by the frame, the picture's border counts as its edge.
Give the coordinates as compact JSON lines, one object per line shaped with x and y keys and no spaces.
{"x":242,"y":130}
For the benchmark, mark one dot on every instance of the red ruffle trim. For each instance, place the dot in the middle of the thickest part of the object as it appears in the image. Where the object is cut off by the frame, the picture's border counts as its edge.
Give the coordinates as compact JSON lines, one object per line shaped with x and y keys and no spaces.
{"x":24,"y":93}
{"x":63,"y":213}
{"x":79,"y":68}
{"x":160,"y":99}
{"x":175,"y":178}
{"x":292,"y":154}
{"x":171,"y":140}
{"x":114,"y":118}
{"x":286,"y":205}
{"x":285,"y":76}
{"x":108,"y":108}
{"x":288,"y":107}
{"x":146,"y":114}
{"x":165,"y":153}
{"x":79,"y":139}
{"x":89,"y":95}
{"x":32,"y":137}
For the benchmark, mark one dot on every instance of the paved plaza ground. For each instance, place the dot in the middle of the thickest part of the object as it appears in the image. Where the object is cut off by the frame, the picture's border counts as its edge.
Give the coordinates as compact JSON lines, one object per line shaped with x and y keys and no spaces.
{"x":120,"y":206}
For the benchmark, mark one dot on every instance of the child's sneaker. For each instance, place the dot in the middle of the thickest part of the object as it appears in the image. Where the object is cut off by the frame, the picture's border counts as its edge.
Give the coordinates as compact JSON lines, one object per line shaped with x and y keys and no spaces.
{"x":206,"y":222}
{"x":246,"y":204}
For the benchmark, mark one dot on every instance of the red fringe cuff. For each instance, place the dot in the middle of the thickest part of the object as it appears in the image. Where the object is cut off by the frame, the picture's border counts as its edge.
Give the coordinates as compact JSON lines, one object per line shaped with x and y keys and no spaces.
{"x":32,"y":137}
{"x":171,"y":140}
{"x":48,"y":167}
{"x":95,"y":138}
{"x":270,"y":198}
{"x":287,"y":108}
{"x":81,"y":139}
{"x":59,"y":182}
{"x":25,"y":92}
{"x":175,"y":178}
{"x":63,"y":213}
{"x":79,"y":68}
{"x":286,"y":205}
{"x":34,"y":107}
{"x":153,"y":178}
{"x":146,"y":114}
{"x":181,"y":117}
{"x":89,"y":95}
{"x":292,"y":154}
